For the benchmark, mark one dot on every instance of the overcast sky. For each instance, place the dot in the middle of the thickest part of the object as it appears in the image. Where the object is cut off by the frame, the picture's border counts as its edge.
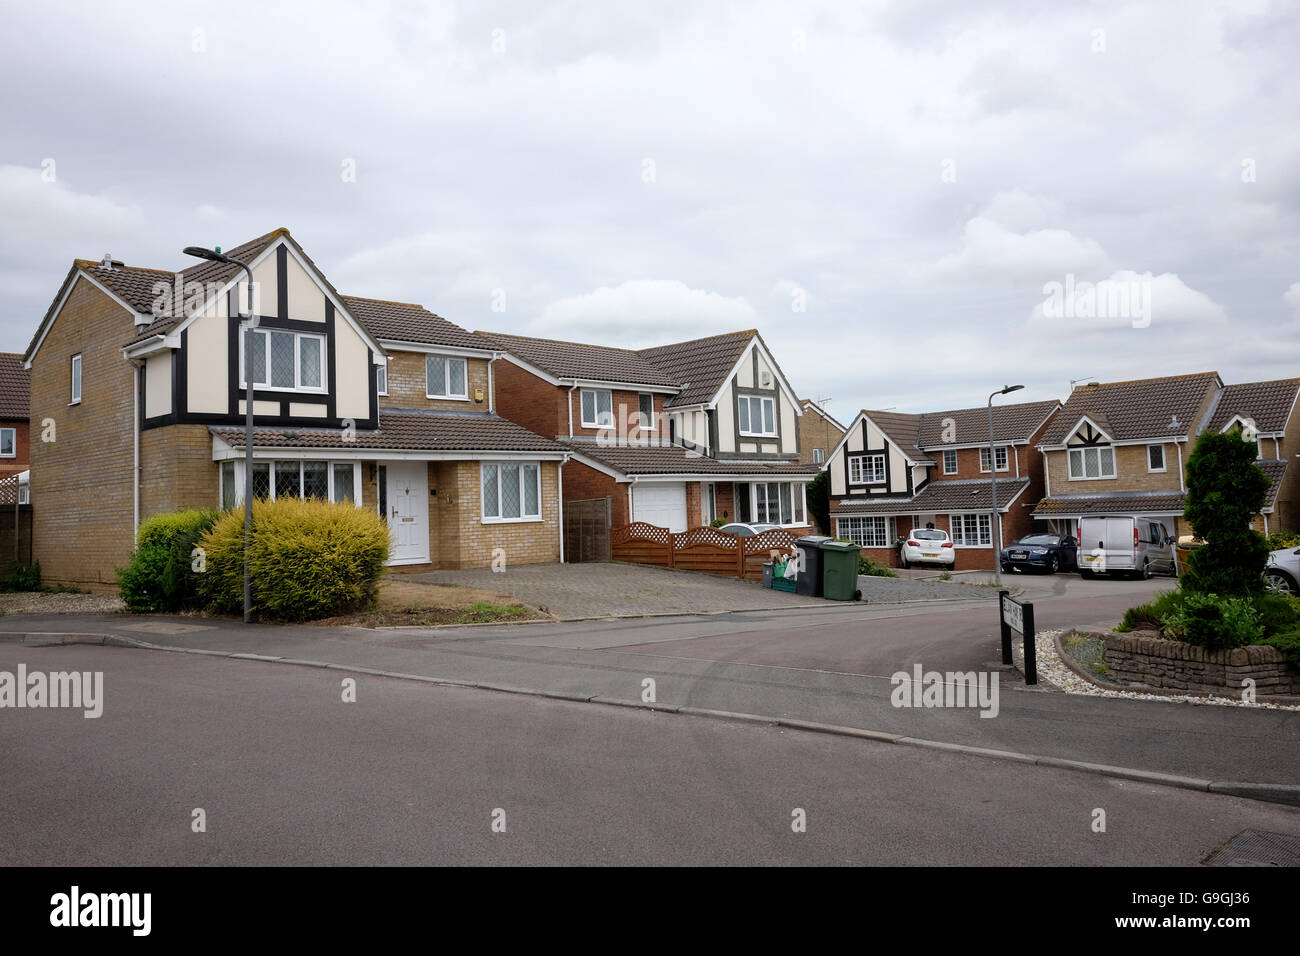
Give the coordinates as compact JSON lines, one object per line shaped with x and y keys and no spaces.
{"x":884,"y":190}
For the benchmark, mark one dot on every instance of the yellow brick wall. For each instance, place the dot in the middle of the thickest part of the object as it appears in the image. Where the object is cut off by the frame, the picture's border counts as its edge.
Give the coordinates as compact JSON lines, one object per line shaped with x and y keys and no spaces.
{"x":81,"y":484}
{"x":177,"y":470}
{"x":530,"y":542}
{"x":407,"y":386}
{"x":1130,"y":472}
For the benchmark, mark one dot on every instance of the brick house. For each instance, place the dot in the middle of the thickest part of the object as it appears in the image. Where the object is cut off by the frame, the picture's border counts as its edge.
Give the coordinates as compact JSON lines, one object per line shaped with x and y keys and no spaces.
{"x":676,"y":435}
{"x":15,"y":397}
{"x":893,"y":471}
{"x":1267,"y":410}
{"x":140,"y":375}
{"x":819,"y":433}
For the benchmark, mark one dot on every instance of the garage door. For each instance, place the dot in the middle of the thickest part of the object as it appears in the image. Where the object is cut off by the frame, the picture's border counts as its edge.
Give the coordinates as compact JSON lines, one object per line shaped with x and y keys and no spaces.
{"x":661,"y":504}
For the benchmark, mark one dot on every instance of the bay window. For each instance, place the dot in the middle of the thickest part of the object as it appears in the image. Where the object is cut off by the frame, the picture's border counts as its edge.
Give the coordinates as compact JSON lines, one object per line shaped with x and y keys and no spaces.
{"x":757,"y":415}
{"x":285,"y":361}
{"x":512,"y":491}
{"x":778,"y":502}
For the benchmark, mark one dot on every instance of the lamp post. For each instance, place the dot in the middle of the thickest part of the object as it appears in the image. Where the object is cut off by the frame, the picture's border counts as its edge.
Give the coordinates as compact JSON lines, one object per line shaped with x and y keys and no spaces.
{"x":996,"y":525}
{"x":216,"y":255}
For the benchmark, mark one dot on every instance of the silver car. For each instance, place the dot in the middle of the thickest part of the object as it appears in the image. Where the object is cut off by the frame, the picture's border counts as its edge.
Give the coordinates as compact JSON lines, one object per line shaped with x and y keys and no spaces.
{"x":1282,"y":573}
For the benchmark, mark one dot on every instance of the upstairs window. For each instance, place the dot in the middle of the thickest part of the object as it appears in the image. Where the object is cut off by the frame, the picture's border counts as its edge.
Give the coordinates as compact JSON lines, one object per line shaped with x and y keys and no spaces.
{"x":1001,"y":456}
{"x":950,"y":461}
{"x":1155,"y":457}
{"x":8,"y":446}
{"x":757,"y":415}
{"x":646,"y":409}
{"x":819,"y":456}
{"x":597,"y":408}
{"x":866,"y":469}
{"x":445,"y":377}
{"x":1092,"y":463}
{"x":381,"y":378}
{"x":285,"y":361}
{"x":76,"y":380}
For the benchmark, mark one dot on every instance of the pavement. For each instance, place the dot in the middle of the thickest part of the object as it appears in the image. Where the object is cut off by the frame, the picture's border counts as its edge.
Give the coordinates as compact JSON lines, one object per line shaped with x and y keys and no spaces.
{"x":827,"y":667}
{"x":286,"y":773}
{"x":607,"y":589}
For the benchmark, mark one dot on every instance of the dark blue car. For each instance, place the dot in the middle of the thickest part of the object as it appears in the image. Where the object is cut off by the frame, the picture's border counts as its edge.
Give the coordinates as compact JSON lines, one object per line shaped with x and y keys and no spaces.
{"x":1042,"y":552}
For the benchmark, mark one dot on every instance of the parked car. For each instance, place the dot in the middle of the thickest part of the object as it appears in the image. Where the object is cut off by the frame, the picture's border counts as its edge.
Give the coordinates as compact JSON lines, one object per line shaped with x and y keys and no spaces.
{"x":1282,"y":573}
{"x":927,"y":545}
{"x":742,"y":530}
{"x":1125,"y":544}
{"x":1043,"y":552}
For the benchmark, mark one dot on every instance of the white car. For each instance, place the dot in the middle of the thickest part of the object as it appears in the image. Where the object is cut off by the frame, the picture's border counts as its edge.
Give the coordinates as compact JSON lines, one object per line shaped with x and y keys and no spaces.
{"x":927,"y":546}
{"x":1282,"y":573}
{"x":742,"y":530}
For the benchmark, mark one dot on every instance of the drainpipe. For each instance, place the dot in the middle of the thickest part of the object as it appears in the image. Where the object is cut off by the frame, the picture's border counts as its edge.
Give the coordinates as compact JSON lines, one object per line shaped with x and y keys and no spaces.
{"x":492,"y":395}
{"x":559,"y":471}
{"x":1181,"y":485}
{"x":1047,"y":475}
{"x":629,"y":500}
{"x":571,"y":388}
{"x":135,"y":450}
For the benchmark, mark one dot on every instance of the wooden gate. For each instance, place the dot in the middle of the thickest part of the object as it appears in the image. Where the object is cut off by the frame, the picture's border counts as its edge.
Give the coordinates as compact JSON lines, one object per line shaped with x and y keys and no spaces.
{"x":586,"y":530}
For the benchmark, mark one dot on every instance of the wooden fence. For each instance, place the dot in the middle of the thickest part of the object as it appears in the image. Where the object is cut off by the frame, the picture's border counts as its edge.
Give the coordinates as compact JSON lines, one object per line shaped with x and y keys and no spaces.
{"x":707,"y":550}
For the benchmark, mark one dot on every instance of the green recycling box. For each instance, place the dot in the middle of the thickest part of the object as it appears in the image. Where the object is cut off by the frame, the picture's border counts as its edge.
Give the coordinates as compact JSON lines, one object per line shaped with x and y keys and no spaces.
{"x":839,"y":570}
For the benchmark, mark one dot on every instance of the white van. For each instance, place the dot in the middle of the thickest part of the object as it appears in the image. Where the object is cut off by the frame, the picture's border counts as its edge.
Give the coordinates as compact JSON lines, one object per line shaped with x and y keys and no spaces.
{"x":1125,"y":544}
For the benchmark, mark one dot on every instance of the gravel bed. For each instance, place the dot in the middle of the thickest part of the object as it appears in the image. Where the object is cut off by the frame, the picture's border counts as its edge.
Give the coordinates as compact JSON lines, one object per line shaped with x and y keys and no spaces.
{"x":37,"y":602}
{"x":1052,"y":671}
{"x":884,"y":590}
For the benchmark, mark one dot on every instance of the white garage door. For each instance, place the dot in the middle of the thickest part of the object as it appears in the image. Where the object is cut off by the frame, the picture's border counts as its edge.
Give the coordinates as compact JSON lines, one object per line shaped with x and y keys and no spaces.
{"x":661,"y":504}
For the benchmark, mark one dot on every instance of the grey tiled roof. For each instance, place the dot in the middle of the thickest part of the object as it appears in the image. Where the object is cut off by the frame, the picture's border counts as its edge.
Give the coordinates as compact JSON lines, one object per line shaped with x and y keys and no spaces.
{"x":1120,"y":503}
{"x":700,"y":365}
{"x":668,"y":459}
{"x":903,"y":429}
{"x":409,"y":322}
{"x":15,"y":387}
{"x":600,"y":363}
{"x":1267,"y":403}
{"x":1138,"y":409}
{"x":971,"y":494}
{"x":405,"y":430}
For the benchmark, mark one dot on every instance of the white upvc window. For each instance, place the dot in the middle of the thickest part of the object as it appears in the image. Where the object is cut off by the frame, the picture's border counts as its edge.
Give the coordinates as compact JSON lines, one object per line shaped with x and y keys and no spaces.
{"x":1000,"y":452}
{"x":381,"y":378}
{"x":76,"y":379}
{"x":597,"y":408}
{"x":950,"y":461}
{"x":819,"y":456}
{"x":709,"y":503}
{"x":865,"y":532}
{"x":285,"y":361}
{"x":1155,"y":457}
{"x":866,"y":469}
{"x":8,"y":443}
{"x":645,"y":410}
{"x":1088,"y":463}
{"x":757,"y":416}
{"x":512,"y":491}
{"x":778,"y":502}
{"x":445,"y":376}
{"x":971,"y":530}
{"x":335,"y":481}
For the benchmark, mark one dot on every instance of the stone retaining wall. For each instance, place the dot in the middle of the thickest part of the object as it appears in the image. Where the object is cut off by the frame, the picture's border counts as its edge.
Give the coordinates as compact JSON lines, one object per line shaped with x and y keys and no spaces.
{"x":1143,"y":657}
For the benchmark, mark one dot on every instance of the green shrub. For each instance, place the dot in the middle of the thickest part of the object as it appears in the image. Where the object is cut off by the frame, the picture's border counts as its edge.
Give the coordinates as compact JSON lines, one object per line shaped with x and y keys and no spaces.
{"x":1278,"y":613}
{"x":161,"y":575}
{"x":717,"y":522}
{"x":1225,"y":489}
{"x":1214,"y":622}
{"x":1281,"y":540}
{"x":308,"y":559}
{"x":1289,"y":644}
{"x":1151,"y":616}
{"x":24,"y":577}
{"x":874,"y":568}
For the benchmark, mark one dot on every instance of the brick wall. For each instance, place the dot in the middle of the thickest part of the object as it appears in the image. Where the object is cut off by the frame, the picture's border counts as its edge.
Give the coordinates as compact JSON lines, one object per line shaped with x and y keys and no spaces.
{"x":81,"y":484}
{"x":1130,"y":472}
{"x":22,"y":448}
{"x":529,"y":542}
{"x":725,"y":498}
{"x":1144,"y":658}
{"x":527,"y":400}
{"x":177,"y":470}
{"x":582,"y":482}
{"x":1286,"y":510}
{"x":626,"y":405}
{"x":693,"y":512}
{"x":407,"y":385}
{"x":816,"y":431}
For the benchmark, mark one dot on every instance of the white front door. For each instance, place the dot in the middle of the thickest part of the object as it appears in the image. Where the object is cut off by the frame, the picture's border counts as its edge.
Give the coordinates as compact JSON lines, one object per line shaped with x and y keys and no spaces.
{"x":408,"y":512}
{"x":661,"y":503}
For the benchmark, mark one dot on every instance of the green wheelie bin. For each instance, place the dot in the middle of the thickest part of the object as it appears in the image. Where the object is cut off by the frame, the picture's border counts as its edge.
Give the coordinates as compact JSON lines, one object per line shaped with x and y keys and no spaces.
{"x":840,"y":570}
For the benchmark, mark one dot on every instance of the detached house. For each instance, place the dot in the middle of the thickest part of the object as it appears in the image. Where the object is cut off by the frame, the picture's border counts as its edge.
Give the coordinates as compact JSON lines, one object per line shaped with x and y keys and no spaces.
{"x":676,"y":436}
{"x":819,"y":433}
{"x":894,"y":471}
{"x":15,"y":397}
{"x":138,"y":378}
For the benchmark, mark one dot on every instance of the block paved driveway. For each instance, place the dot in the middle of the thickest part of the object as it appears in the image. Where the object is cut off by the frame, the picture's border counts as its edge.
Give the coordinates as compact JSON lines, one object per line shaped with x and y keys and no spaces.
{"x":576,"y":591}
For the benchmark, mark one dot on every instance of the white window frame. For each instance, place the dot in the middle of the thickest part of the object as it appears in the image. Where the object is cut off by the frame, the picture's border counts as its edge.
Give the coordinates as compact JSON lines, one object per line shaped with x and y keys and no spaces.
{"x":297,"y":361}
{"x":76,"y":379}
{"x":763,"y":402}
{"x":1083,"y":475}
{"x":1000,"y":454}
{"x":946,"y":453}
{"x":13,"y":443}
{"x":521,"y":465}
{"x":862,"y":530}
{"x":957,"y":530}
{"x":708,"y":503}
{"x":1164,"y":460}
{"x":858,"y":467}
{"x":448,"y":394}
{"x":819,"y":456}
{"x":381,"y":377}
{"x":596,"y":393}
{"x":798,"y":502}
{"x":645,"y":423}
{"x":270,"y":463}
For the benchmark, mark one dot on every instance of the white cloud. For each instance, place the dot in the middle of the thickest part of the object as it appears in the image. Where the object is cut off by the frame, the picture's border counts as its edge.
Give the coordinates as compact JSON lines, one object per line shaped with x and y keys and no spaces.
{"x":642,"y":312}
{"x":1292,"y":297}
{"x":991,"y":251}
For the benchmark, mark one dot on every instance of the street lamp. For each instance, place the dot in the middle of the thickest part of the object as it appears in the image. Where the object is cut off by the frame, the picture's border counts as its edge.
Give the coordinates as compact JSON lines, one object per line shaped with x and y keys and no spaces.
{"x":993,"y":477}
{"x":216,"y":255}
